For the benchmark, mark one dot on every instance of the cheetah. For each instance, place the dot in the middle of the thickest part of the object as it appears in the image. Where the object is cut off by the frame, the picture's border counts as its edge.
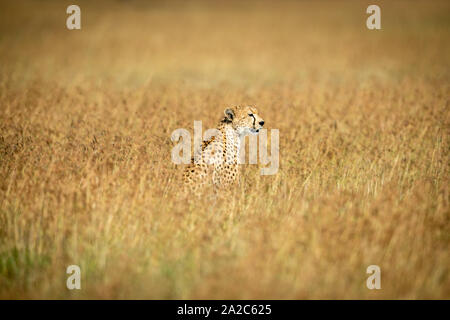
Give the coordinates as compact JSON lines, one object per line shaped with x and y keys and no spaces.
{"x":216,"y":163}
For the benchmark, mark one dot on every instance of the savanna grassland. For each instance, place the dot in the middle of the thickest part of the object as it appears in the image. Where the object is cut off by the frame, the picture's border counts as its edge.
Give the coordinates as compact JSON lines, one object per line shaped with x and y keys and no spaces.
{"x":86,"y":176}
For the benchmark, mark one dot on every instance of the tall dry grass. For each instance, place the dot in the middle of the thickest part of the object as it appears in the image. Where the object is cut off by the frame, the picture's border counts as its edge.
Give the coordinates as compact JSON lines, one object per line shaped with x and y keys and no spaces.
{"x":85,"y":170}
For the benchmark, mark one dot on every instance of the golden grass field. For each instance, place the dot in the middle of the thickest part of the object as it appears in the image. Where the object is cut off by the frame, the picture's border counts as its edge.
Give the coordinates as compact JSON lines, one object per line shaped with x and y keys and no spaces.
{"x":85,"y":170}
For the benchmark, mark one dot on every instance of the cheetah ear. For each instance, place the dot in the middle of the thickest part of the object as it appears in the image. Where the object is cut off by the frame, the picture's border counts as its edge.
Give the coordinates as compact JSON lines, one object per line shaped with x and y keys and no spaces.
{"x":229,"y":114}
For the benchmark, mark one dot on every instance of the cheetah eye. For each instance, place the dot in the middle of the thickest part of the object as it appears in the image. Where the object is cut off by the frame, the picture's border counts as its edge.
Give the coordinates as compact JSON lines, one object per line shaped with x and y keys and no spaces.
{"x":250,"y":114}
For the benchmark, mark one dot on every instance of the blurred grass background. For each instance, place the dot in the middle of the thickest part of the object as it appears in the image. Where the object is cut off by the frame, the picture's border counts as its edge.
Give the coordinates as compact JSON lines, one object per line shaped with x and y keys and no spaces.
{"x":85,"y":171}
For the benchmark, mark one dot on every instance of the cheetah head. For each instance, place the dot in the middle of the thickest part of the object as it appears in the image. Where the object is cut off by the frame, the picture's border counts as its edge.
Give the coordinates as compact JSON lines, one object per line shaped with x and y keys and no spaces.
{"x":245,"y":120}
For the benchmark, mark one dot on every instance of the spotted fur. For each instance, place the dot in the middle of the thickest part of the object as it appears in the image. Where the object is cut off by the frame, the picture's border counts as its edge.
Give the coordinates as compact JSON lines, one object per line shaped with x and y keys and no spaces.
{"x":218,"y":165}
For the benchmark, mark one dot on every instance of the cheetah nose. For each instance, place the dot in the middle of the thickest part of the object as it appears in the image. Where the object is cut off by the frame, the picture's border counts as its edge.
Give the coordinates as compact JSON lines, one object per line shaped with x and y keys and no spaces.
{"x":261,"y":123}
